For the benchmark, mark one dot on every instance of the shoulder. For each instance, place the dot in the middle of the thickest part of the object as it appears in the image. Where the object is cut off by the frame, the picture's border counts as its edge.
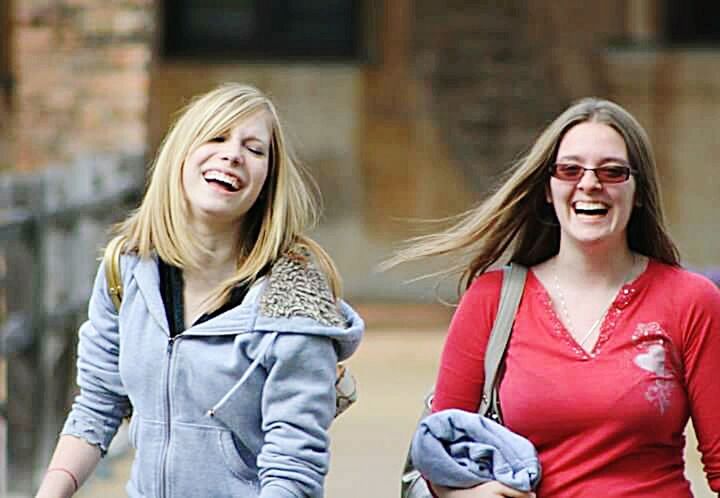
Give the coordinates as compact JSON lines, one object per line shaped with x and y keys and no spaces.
{"x":693,"y":300}
{"x":128,"y":262}
{"x":478,"y":305}
{"x":113,"y":266}
{"x":686,"y":285}
{"x":118,"y":258}
{"x":296,"y":287}
{"x":485,"y":287}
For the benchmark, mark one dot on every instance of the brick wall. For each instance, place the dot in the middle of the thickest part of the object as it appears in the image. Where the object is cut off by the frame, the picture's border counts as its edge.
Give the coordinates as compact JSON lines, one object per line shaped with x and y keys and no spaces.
{"x":495,"y":73}
{"x":462,"y":88}
{"x":483,"y":80}
{"x":408,"y":171}
{"x":82,"y":78}
{"x":571,"y":39}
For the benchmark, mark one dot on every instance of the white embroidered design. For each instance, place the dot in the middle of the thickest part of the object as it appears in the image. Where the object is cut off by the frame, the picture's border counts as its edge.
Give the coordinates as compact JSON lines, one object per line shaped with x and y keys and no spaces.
{"x":653,"y":343}
{"x":659,"y":394}
{"x":653,"y":360}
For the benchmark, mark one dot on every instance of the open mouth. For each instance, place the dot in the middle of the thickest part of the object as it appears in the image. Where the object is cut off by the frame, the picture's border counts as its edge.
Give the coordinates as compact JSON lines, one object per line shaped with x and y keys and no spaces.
{"x":228,"y":183}
{"x":590,"y":208}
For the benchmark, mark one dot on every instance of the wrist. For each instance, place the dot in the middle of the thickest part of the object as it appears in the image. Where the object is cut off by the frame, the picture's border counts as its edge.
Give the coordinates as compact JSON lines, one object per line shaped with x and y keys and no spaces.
{"x":59,"y":481}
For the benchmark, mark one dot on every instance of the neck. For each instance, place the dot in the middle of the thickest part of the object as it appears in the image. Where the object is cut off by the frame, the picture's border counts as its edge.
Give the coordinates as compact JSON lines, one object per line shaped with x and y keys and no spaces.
{"x":606,"y":267}
{"x":220,"y":260}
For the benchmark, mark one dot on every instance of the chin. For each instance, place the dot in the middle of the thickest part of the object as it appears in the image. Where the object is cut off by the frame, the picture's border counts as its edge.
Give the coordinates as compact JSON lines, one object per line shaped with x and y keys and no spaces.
{"x":600,"y":240}
{"x":217,"y":214}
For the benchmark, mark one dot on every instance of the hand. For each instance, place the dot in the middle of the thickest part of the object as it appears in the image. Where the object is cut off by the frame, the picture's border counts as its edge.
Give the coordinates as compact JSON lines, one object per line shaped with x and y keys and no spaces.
{"x":491,"y":489}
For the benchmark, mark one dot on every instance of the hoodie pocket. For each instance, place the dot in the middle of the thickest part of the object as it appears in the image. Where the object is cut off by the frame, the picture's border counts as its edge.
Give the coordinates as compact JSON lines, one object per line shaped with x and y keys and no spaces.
{"x":225,"y":473}
{"x":239,"y":460}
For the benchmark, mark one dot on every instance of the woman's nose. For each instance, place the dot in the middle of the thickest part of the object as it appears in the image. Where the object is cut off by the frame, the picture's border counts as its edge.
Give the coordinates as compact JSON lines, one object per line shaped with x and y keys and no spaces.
{"x":233,"y":159}
{"x":231,"y":152}
{"x":589,"y":180}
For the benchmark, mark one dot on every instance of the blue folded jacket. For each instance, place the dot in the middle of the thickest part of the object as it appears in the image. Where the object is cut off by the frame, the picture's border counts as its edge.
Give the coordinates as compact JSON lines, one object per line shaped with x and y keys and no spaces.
{"x":459,"y":449}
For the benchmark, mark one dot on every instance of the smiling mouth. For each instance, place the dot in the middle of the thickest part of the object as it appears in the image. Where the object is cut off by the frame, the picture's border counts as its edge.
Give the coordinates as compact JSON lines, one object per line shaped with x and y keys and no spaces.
{"x":228,"y":183}
{"x":590,"y":208}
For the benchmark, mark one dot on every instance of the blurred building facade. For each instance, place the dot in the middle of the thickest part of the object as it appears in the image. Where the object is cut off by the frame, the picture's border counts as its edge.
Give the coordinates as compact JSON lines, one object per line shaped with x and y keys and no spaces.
{"x":401,"y":109}
{"x":415,"y":120}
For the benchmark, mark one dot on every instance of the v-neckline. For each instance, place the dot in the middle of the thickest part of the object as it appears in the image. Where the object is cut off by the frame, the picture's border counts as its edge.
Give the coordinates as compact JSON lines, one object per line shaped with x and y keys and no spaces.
{"x":623,"y":296}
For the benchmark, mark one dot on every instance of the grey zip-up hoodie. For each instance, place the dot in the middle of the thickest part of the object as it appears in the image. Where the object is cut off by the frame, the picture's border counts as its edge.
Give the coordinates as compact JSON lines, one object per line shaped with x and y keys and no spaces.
{"x":237,"y":406}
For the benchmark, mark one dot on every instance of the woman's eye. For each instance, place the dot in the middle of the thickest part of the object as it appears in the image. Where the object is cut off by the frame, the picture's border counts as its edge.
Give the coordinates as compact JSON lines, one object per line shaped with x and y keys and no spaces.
{"x":257,"y":151}
{"x":615,"y":172}
{"x":570,"y":169}
{"x":217,"y":139}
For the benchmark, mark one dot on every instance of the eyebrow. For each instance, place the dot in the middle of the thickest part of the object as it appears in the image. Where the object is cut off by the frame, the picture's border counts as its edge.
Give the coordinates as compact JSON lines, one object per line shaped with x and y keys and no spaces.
{"x":609,"y":159}
{"x":251,"y":138}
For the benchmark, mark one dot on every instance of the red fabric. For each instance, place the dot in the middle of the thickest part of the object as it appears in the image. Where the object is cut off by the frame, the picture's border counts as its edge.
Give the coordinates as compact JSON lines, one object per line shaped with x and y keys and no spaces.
{"x":611,"y":423}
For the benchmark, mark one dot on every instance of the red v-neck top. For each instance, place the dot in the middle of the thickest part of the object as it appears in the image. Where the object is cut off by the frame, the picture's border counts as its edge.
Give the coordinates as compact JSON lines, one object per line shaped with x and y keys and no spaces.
{"x":609,"y":423}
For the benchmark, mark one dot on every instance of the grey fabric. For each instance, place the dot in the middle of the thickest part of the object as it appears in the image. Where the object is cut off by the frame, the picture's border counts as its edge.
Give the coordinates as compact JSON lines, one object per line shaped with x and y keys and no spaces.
{"x":459,"y":449}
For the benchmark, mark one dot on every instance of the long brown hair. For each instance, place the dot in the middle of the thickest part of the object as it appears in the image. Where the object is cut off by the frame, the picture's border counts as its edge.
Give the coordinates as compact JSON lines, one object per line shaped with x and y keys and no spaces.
{"x":516,"y":218}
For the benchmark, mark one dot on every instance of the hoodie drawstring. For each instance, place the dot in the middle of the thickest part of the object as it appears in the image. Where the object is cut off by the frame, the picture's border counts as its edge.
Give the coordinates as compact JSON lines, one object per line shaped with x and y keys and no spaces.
{"x":265,"y":344}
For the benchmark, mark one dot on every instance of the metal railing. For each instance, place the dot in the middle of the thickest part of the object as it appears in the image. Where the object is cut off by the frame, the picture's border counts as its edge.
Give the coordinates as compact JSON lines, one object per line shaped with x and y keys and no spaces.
{"x":52,"y":226}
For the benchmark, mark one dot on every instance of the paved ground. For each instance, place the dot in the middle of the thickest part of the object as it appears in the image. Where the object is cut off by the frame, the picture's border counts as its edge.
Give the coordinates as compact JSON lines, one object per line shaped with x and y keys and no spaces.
{"x":395,"y":367}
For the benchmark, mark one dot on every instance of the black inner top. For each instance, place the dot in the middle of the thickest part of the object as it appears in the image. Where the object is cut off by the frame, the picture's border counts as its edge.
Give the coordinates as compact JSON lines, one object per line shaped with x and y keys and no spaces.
{"x":171,"y":289}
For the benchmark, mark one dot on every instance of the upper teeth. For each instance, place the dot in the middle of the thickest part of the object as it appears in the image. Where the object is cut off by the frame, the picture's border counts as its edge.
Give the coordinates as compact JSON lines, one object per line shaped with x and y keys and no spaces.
{"x":220,"y":176}
{"x":586,"y":206}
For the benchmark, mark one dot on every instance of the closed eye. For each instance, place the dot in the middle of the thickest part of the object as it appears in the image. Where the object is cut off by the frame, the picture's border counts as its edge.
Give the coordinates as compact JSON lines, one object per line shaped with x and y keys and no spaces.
{"x":219,"y":139}
{"x":258,"y":151}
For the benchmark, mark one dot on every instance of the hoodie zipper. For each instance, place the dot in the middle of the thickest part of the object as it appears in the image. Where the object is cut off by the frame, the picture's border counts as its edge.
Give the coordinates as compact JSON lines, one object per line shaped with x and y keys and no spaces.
{"x":166,"y":441}
{"x":265,"y":344}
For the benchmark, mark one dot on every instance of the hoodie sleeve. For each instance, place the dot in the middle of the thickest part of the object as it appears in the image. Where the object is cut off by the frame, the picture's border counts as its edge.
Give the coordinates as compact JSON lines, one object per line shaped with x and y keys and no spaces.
{"x":298,"y":404}
{"x":99,"y":408}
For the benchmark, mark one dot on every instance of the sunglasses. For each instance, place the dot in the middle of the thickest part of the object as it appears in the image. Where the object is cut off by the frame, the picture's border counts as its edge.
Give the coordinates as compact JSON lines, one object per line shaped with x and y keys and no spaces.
{"x":571,"y":172}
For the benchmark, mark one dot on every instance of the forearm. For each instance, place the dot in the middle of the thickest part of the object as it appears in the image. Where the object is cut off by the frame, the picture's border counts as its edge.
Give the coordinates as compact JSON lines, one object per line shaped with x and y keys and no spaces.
{"x":490,"y":489}
{"x":77,"y":458}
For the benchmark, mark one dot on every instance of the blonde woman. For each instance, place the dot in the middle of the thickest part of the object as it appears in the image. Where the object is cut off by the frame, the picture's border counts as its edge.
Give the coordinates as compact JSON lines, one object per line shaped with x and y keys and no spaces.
{"x":615,"y":346}
{"x":230,"y":327}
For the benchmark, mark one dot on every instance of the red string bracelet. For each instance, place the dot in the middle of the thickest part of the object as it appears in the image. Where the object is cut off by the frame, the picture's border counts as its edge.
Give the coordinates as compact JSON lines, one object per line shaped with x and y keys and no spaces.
{"x":66,"y":471}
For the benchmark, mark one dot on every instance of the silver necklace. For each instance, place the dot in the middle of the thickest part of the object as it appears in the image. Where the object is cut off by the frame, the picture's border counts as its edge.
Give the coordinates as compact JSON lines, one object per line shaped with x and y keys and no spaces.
{"x":566,"y":313}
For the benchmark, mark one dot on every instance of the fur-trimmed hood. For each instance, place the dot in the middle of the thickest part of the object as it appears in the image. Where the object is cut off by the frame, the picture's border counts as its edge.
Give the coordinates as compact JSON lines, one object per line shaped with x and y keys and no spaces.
{"x":297,"y":295}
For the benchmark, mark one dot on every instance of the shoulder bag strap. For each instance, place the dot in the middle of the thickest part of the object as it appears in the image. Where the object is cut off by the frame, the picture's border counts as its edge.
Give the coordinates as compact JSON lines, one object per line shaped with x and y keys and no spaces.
{"x":514,"y":277}
{"x":111,"y":259}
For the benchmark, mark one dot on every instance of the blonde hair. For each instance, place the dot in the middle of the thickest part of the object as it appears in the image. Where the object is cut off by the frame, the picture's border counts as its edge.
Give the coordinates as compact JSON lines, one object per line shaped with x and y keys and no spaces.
{"x":517,"y":219}
{"x":284,"y":210}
